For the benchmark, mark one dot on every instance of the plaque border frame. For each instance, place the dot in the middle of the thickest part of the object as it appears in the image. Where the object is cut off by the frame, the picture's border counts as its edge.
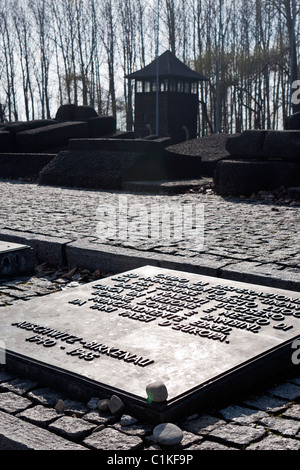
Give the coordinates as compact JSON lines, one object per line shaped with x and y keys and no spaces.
{"x":252,"y":376}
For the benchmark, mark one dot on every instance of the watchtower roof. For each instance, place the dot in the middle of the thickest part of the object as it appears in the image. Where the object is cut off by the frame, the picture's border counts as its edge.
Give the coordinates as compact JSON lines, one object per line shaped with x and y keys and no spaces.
{"x":168,"y":66}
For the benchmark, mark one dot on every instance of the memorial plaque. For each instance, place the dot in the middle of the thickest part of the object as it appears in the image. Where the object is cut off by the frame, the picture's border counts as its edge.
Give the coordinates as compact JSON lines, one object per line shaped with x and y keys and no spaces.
{"x":206,"y":338}
{"x":15,"y":259}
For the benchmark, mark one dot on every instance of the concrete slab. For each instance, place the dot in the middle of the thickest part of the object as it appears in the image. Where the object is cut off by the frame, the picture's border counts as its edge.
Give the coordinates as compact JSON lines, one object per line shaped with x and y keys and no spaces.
{"x":166,"y":187}
{"x":46,"y":248}
{"x":266,"y":274}
{"x":206,"y":339}
{"x":15,"y":259}
{"x":92,"y":255}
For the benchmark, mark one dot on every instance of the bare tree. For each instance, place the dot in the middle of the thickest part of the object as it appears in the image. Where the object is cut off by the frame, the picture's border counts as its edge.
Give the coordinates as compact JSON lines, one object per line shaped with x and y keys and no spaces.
{"x":128,"y":28}
{"x":170,"y":12}
{"x":8,"y":50}
{"x":40,"y":11}
{"x":24,"y":40}
{"x":106,"y":27}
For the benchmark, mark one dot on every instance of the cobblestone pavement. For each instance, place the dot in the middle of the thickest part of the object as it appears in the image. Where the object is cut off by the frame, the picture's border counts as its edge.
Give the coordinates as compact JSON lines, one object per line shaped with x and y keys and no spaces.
{"x":238,"y":230}
{"x":235,"y":229}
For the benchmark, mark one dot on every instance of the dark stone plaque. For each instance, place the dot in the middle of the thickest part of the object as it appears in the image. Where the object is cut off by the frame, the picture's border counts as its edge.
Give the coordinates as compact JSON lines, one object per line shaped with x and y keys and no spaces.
{"x":207,"y":339}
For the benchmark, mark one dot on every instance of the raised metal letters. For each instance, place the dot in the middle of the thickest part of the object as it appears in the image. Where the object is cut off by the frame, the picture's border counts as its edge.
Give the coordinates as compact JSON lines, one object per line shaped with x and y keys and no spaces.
{"x":44,"y":333}
{"x":174,"y":299}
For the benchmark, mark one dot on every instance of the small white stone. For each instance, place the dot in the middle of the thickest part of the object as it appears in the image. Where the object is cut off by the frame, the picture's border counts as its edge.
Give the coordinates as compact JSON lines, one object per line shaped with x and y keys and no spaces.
{"x":167,"y":434}
{"x":115,"y":405}
{"x":156,"y":392}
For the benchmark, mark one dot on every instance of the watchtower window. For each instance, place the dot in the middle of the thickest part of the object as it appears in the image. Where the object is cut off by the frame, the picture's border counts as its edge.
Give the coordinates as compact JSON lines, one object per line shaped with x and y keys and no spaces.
{"x":187,"y":87}
{"x":194,"y":88}
{"x":172,"y":85}
{"x":180,"y":86}
{"x":147,"y":87}
{"x":139,"y":86}
{"x":164,"y":85}
{"x":154,"y":85}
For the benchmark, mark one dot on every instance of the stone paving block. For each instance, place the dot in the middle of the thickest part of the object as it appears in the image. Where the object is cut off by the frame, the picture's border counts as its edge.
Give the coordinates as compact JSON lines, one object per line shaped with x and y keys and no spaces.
{"x":208,"y":445}
{"x":39,"y":415}
{"x":267,"y":403}
{"x":16,"y":434}
{"x":242,"y":415}
{"x":12,"y":403}
{"x":286,"y":390}
{"x":293,"y":412}
{"x":202,"y":425}
{"x":19,"y":386}
{"x":295,"y":380}
{"x":285,"y":427}
{"x":237,"y":434}
{"x":45,"y":396}
{"x":99,"y":417}
{"x":71,"y":428}
{"x":111,"y":439}
{"x":273,"y":442}
{"x":73,"y":407}
{"x":138,"y":429}
{"x":188,"y":439}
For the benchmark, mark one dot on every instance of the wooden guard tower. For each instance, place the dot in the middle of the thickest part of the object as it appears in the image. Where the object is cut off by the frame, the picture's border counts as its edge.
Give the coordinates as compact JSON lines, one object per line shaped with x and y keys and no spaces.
{"x":176,"y":99}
